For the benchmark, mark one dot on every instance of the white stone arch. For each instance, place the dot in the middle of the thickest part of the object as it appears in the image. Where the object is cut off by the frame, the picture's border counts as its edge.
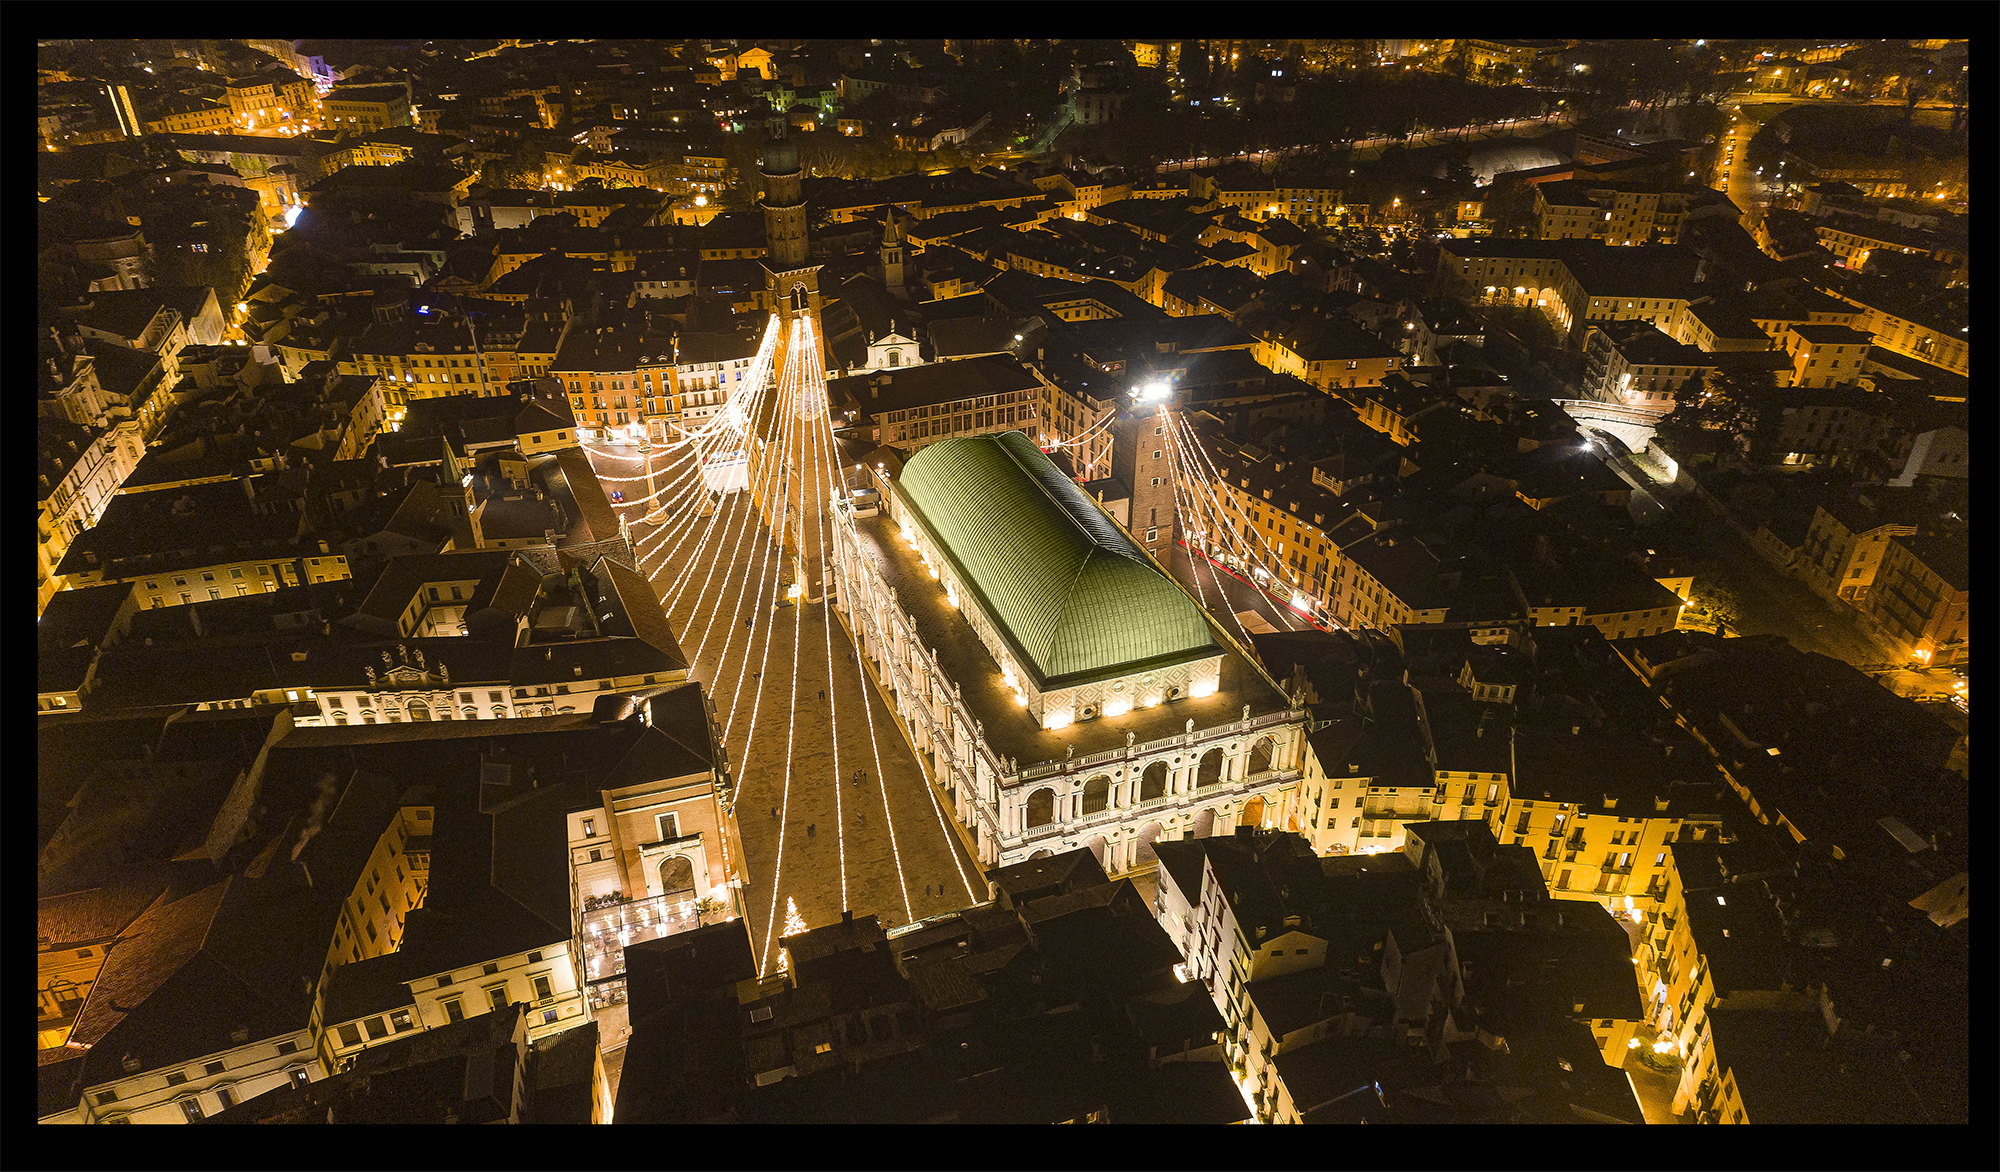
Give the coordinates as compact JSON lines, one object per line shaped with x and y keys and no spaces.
{"x":1263,"y":756}
{"x":1142,"y":844}
{"x":1039,"y":808}
{"x":1211,"y":768}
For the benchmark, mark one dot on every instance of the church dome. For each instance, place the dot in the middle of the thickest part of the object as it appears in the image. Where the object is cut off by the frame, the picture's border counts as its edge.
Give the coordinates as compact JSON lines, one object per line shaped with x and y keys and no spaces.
{"x":781,"y":157}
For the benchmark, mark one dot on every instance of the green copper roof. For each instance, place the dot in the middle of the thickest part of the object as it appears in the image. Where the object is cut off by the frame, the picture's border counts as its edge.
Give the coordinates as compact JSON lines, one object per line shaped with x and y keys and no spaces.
{"x":1075,"y":596}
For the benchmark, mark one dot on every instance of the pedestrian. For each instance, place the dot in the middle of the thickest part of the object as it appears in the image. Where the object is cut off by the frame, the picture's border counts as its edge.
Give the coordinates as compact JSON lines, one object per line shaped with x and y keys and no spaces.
{"x":746,"y":624}
{"x":822,"y":693}
{"x":812,"y":829}
{"x":774,"y":811}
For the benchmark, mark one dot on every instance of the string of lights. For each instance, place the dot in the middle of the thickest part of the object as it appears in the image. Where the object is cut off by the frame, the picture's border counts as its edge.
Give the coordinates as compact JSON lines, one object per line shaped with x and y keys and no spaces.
{"x":687,"y":516}
{"x":768,"y":557}
{"x":1220,"y":518}
{"x":1085,"y":434}
{"x":1280,"y":574}
{"x":816,"y":473}
{"x":1190,"y":532}
{"x":788,"y":402}
{"x":824,"y":442}
{"x":1184,"y":475}
{"x":860,"y":615}
{"x":708,"y":533}
{"x":774,"y":554}
{"x":753,"y":377}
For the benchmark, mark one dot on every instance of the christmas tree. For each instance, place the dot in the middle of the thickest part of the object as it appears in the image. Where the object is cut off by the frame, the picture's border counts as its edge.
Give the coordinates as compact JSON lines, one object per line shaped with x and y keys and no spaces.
{"x":794,"y":922}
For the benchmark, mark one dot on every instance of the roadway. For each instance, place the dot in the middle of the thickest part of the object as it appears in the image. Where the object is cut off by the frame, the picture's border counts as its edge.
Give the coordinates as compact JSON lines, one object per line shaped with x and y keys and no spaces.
{"x":1505,"y":126}
{"x":1227,"y":594}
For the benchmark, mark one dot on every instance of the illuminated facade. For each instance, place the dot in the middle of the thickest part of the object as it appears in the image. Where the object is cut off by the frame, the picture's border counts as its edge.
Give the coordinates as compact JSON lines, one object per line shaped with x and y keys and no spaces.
{"x":1032,"y":749}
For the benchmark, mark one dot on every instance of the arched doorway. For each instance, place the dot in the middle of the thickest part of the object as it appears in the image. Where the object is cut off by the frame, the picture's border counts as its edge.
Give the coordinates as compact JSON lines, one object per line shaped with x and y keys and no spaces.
{"x":418,"y":711}
{"x":1153,"y":783}
{"x":676,"y":877}
{"x":1204,"y":824}
{"x":1096,"y":794}
{"x":1148,"y":835}
{"x":1253,"y":813}
{"x":1260,"y":756}
{"x":1102,"y":849}
{"x":1210,"y":771}
{"x":1041,"y":854}
{"x":1041,"y":807}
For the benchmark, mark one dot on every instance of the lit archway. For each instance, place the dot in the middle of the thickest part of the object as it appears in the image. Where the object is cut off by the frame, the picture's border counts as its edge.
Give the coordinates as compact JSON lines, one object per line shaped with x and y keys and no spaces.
{"x":1210,"y":771}
{"x":1041,"y":808}
{"x":1260,"y":756}
{"x":1096,"y":795}
{"x":1153,"y":784}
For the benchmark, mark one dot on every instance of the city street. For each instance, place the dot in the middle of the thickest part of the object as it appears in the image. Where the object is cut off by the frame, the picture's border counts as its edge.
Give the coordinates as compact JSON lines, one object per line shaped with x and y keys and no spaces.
{"x":1767,"y":602}
{"x":1226,"y":595}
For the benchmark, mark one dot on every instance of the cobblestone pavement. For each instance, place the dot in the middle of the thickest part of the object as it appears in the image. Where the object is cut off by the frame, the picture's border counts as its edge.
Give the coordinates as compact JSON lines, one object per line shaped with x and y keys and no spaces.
{"x":800,"y":721}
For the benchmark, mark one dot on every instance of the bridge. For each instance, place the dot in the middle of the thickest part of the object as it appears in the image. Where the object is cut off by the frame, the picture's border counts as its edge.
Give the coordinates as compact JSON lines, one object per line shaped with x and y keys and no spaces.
{"x":1633,"y":426}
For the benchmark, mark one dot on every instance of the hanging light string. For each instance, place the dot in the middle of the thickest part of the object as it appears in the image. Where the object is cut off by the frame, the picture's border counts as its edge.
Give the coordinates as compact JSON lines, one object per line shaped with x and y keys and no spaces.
{"x":788,"y":406}
{"x":1193,"y":529}
{"x":863,"y":614}
{"x":703,"y":545}
{"x":834,"y":490}
{"x":1086,"y":433}
{"x":768,"y":554}
{"x":1203,"y":486}
{"x":813,"y":423}
{"x":1195,"y":567}
{"x":752,"y":378}
{"x":687,"y":519}
{"x":1213,"y":476}
{"x":743,"y":523}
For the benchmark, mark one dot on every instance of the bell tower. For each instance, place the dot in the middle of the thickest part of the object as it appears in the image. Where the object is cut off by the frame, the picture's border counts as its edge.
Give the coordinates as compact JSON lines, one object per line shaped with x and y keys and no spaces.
{"x":892,"y":256}
{"x":791,"y":427}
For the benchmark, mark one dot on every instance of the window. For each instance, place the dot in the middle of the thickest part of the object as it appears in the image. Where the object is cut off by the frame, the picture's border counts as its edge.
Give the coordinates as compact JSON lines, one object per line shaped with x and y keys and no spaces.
{"x":399,"y":1021}
{"x":549,"y":1016}
{"x":498,"y":996}
{"x":191,"y":1106}
{"x":543,"y":989}
{"x":176,"y":1078}
{"x":212,"y":1068}
{"x":453,"y":1011}
{"x":288,"y":1047}
{"x":350,"y":1034}
{"x":670,"y":826}
{"x":445,"y":980}
{"x":490,"y":968}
